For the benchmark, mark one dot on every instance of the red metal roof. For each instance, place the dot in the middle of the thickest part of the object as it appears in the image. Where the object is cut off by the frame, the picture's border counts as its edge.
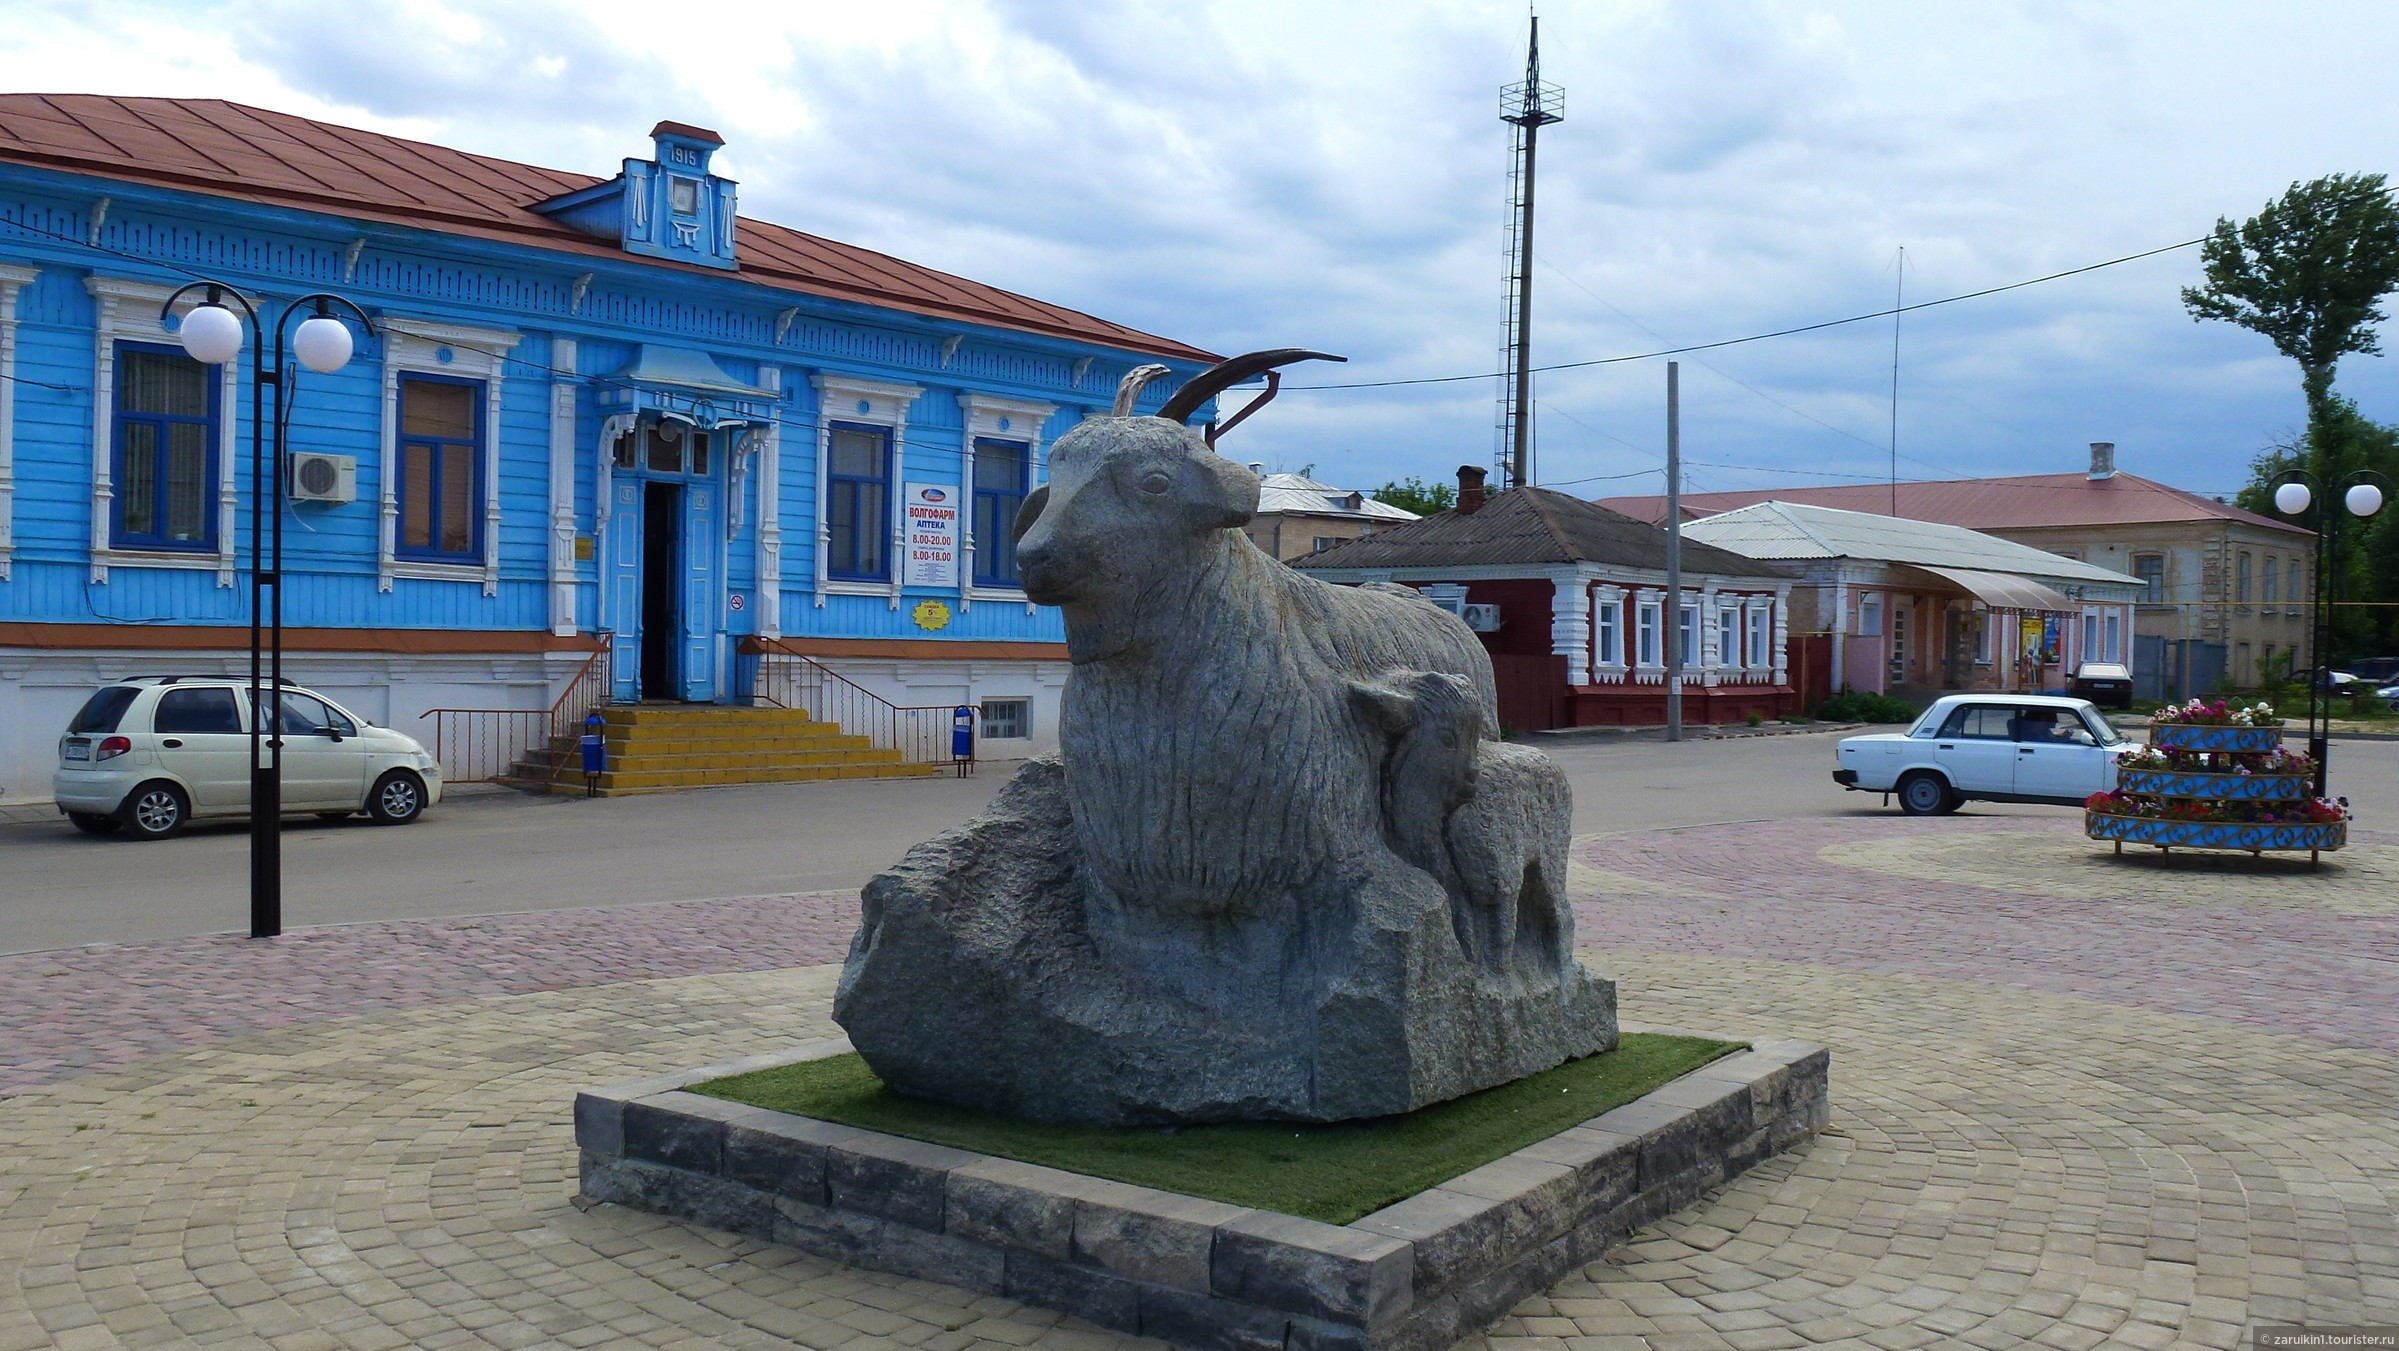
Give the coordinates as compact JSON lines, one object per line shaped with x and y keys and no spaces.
{"x":226,"y":149}
{"x":2025,"y":502}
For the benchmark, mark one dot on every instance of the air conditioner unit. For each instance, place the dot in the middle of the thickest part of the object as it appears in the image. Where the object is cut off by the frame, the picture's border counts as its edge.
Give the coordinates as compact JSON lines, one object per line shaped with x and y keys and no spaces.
{"x":1482,"y":618}
{"x":324,"y":478}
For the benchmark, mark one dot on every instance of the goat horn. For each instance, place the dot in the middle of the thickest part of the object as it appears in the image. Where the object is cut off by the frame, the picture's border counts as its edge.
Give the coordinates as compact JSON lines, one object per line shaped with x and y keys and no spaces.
{"x":1232,"y":371}
{"x":1129,"y":388}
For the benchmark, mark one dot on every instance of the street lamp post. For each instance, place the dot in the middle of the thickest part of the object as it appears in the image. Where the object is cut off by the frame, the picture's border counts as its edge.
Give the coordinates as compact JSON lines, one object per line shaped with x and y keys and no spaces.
{"x":212,"y":334}
{"x":2361,"y":495}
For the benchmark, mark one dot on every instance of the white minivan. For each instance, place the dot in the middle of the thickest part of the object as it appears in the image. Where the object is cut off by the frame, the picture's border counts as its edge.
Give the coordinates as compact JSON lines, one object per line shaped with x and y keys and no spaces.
{"x":149,"y":755}
{"x":1987,"y":747}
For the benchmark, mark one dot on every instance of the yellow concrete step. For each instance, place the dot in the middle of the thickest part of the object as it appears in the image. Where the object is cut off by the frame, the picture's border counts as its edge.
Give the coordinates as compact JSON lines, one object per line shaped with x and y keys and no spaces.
{"x":847,"y":755}
{"x":816,"y":736}
{"x":614,"y":785}
{"x":646,"y":715}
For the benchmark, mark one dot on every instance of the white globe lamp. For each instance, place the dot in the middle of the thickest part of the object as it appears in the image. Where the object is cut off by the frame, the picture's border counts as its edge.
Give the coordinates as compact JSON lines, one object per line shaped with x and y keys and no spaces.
{"x":212,"y":334}
{"x":322,"y":344}
{"x":2292,"y":498}
{"x":2363,"y":499}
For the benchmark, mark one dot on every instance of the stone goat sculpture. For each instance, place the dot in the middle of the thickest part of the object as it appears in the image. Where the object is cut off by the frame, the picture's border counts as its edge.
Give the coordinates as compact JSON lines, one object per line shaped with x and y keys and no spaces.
{"x":1281,"y":866}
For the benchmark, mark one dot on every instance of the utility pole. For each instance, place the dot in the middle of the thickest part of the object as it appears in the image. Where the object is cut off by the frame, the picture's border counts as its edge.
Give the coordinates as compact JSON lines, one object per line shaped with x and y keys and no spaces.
{"x":1898,"y":293}
{"x":1672,"y":619}
{"x":1528,"y":107}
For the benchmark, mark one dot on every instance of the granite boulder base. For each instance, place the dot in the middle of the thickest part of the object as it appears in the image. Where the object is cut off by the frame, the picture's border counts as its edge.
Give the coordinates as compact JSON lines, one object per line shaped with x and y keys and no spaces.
{"x":1283,"y":866}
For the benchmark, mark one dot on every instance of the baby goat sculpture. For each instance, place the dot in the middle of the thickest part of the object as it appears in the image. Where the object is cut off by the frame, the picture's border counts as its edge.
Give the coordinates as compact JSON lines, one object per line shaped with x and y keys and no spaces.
{"x":1281,"y":867}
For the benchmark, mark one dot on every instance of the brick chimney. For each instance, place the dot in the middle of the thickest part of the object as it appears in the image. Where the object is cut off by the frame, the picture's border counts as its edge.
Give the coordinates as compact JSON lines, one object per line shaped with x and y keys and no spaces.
{"x":1470,"y":489}
{"x":2103,"y":461}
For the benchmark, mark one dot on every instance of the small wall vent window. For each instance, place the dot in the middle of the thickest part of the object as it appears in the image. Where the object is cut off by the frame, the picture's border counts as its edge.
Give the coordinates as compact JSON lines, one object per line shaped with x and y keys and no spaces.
{"x":1007,"y":719}
{"x":166,"y":451}
{"x":683,"y":194}
{"x":441,"y":468}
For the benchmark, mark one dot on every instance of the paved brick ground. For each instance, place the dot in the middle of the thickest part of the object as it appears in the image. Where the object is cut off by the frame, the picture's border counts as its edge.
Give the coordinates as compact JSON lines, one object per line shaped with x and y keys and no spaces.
{"x":2123,"y":1117}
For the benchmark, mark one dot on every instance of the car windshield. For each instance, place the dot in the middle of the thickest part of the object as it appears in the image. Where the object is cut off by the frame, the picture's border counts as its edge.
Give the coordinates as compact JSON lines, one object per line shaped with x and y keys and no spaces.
{"x":104,"y":710}
{"x":2101,"y":727}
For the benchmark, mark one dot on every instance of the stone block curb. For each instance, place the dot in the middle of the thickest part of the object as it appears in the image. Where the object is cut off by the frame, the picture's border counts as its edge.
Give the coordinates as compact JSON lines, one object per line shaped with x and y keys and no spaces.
{"x":1416,"y":1275}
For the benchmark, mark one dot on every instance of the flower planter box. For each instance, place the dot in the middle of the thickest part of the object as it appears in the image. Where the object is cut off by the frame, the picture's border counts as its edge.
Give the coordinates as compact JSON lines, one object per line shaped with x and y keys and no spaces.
{"x":2195,"y":737}
{"x":2218,"y":787}
{"x":2250,"y":836}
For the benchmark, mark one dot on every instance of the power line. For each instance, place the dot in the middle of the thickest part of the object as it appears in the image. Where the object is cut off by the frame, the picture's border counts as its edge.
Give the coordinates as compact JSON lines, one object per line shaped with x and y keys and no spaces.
{"x":1777,"y":333}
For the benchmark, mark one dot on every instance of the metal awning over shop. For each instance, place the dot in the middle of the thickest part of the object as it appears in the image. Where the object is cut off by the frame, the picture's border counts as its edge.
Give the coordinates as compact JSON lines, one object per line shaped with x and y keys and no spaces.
{"x":2004,"y":590}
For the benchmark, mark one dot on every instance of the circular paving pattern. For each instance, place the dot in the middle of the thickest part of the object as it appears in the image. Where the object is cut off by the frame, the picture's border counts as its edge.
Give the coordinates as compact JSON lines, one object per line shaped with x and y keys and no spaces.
{"x":2362,"y":879}
{"x":2064,"y":1115}
{"x":2002,"y":1165}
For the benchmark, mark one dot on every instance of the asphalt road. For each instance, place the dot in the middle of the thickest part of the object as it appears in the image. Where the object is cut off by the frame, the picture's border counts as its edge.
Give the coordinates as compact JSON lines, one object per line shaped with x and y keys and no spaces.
{"x":494,"y":851}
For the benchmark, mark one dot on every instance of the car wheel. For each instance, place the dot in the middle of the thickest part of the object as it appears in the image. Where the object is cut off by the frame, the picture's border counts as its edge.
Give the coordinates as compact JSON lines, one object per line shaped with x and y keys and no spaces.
{"x":155,"y":810}
{"x":398,"y":799}
{"x":95,"y":823}
{"x":1922,"y":794}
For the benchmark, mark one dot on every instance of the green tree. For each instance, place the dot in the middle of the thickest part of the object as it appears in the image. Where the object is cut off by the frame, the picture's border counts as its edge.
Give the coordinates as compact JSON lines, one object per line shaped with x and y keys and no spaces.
{"x":1414,"y":494}
{"x":2309,"y":273}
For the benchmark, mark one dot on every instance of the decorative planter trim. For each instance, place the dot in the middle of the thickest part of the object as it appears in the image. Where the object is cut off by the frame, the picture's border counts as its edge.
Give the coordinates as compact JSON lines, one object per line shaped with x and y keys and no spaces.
{"x":2242,"y":835}
{"x":2218,"y":787}
{"x":2191,"y":737}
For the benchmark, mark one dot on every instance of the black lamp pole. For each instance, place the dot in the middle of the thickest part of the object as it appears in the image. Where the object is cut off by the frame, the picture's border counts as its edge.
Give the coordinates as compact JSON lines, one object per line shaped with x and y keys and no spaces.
{"x":2294,"y":491}
{"x":266,"y":575}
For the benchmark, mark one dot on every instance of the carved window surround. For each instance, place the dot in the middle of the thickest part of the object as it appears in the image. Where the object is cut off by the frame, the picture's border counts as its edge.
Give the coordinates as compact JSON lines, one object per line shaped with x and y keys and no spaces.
{"x":416,"y":346}
{"x":562,"y":486}
{"x":127,"y":311}
{"x":870,"y":403}
{"x":983,"y":415}
{"x":12,"y":279}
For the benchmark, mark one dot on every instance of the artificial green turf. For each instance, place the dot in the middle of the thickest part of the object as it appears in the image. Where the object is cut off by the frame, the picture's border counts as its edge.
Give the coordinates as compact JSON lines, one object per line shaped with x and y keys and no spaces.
{"x":1330,"y":1173}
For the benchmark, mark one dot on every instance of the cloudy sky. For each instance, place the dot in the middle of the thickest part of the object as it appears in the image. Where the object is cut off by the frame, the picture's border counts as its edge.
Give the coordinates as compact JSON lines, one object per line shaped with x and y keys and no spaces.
{"x":1245,"y":175}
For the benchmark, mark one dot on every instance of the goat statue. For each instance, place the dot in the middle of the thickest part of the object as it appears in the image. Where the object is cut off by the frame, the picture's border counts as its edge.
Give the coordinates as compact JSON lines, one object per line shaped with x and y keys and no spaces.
{"x":1281,"y":868}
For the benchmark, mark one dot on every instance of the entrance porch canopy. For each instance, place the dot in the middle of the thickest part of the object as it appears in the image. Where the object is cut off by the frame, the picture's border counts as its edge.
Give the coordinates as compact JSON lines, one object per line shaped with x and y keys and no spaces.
{"x":2000,"y":590}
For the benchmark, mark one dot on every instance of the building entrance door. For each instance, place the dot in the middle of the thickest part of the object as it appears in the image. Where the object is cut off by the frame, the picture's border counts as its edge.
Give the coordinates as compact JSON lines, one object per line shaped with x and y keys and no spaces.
{"x":661,"y":590}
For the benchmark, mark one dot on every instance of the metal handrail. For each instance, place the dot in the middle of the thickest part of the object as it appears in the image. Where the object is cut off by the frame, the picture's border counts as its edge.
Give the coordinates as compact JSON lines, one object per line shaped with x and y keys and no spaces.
{"x":487,"y":745}
{"x":774,"y":673}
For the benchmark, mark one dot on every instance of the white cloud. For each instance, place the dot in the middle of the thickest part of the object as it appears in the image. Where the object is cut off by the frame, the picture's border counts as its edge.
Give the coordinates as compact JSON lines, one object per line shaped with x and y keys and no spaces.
{"x":1250,"y":174}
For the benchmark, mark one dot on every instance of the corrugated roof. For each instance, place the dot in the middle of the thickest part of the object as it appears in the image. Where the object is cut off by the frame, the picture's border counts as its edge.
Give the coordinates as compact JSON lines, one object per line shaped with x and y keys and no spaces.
{"x":1294,"y":493}
{"x":224,"y":149}
{"x":1531,"y":526}
{"x":1798,"y":530}
{"x":2025,"y":502}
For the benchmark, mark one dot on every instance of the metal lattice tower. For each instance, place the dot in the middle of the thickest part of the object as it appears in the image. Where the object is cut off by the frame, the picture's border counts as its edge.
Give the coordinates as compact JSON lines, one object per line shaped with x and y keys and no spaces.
{"x":1527,"y":107}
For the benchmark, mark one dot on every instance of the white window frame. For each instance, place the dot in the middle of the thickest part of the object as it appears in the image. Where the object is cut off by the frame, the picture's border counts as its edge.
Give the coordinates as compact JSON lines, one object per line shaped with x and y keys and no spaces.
{"x":1687,"y":635}
{"x":127,"y":311}
{"x":2090,"y":637}
{"x":837,"y":400}
{"x":1870,"y":615}
{"x":415,"y":347}
{"x":1761,"y":636}
{"x":2111,"y":627}
{"x":1607,"y":632}
{"x":1649,"y":622}
{"x":983,"y":414}
{"x":1728,"y":636}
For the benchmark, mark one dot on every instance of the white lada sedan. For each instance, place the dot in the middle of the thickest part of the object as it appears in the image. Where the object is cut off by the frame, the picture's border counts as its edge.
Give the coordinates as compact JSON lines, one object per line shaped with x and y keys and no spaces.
{"x":149,"y":755}
{"x":1988,"y":748}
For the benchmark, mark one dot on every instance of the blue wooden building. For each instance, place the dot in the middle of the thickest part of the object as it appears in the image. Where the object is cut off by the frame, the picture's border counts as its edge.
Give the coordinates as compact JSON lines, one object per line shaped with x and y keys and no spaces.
{"x":596,"y":413}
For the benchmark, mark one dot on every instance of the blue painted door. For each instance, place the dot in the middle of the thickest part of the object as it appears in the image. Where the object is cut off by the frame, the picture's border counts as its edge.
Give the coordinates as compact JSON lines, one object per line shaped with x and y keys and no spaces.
{"x":622,"y":585}
{"x":701,"y":591}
